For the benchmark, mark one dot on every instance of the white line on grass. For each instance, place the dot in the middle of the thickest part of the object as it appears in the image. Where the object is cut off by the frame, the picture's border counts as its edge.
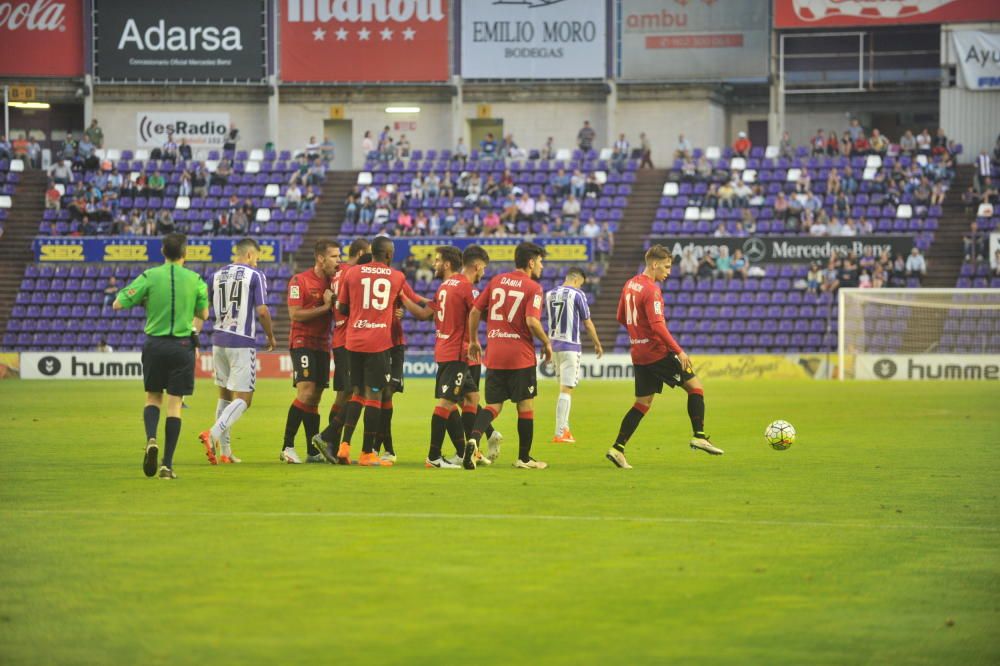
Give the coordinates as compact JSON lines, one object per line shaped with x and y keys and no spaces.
{"x":497,"y":516}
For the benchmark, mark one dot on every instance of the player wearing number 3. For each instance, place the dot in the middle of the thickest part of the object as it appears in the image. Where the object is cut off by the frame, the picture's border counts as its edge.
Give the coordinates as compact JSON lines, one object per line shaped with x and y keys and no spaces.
{"x":656,"y":356}
{"x":513,"y":306}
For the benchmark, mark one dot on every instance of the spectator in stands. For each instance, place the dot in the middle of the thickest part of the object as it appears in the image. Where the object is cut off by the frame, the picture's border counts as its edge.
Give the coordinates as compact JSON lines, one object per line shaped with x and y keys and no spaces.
{"x":165,"y":222}
{"x":404,"y":223}
{"x":34,"y":154}
{"x":916,"y":265}
{"x":511,"y":211}
{"x":740,"y":264}
{"x":559,"y":181}
{"x":619,"y":153}
{"x":724,"y":264}
{"x":488,"y":147}
{"x":232,"y":137}
{"x":922,"y":193}
{"x":841,"y":204}
{"x":557,"y":227}
{"x":292,"y":197}
{"x":832,"y":143}
{"x":309,"y":200}
{"x":781,"y":207}
{"x":748,"y":223}
{"x":861,"y":145}
{"x":937,"y":194}
{"x":711,"y":198}
{"x":849,"y":273}
{"x":741,"y":193}
{"x":432,"y":186}
{"x":351,"y":209}
{"x":684,"y":148}
{"x":814,"y":278}
{"x":85,"y":151}
{"x":726,"y":194}
{"x":878,"y":277}
{"x":834,"y":227}
{"x":6,"y":150}
{"x":704,"y":169}
{"x":907,"y":143}
{"x":461,"y":152}
{"x":491,"y":190}
{"x":68,"y":151}
{"x":200,"y":181}
{"x":846,"y":144}
{"x":542,"y":209}
{"x":590,"y":229}
{"x":585,"y":137}
{"x":316,"y":173}
{"x":577,"y":184}
{"x":184,"y":187}
{"x":95,"y":134}
{"x":447,"y":186}
{"x":854,"y":129}
{"x":849,"y":228}
{"x":831,"y":275}
{"x":88,"y":227}
{"x":645,"y":151}
{"x":53,"y":198}
{"x":974,"y":243}
{"x":368,"y":145}
{"x":417,"y":186}
{"x":170,"y":148}
{"x":742,"y":145}
{"x":706,"y":265}
{"x":818,"y":227}
{"x":818,"y":143}
{"x":688,"y":174}
{"x":803,"y":184}
{"x":689,"y":265}
{"x":604,"y":245}
{"x":387,"y":150}
{"x":939,"y":143}
{"x":924,"y":143}
{"x":222,"y":173}
{"x":448,"y":222}
{"x":102,"y":346}
{"x":403,"y":146}
{"x":110,"y":290}
{"x":786,"y":148}
{"x":313,"y":148}
{"x":512,"y":150}
{"x":525,"y":208}
{"x":184,"y":150}
{"x":571,"y":208}
{"x":879,"y":144}
{"x":491,"y":223}
{"x":156,"y":183}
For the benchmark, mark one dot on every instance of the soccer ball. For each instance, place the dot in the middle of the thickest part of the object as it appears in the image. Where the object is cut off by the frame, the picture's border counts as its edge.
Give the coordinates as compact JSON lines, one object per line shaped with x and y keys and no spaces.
{"x":780,"y":435}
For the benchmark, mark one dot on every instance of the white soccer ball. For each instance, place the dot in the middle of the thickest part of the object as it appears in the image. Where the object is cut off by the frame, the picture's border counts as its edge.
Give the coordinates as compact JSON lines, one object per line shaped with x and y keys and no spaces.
{"x":780,"y":435}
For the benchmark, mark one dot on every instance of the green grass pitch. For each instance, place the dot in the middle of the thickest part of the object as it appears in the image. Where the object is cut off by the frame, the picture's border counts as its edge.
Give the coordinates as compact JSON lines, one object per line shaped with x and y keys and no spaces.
{"x":874,"y":539}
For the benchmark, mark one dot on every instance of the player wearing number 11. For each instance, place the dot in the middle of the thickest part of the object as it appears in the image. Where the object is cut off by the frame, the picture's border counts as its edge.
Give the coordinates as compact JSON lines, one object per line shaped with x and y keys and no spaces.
{"x":656,"y":356}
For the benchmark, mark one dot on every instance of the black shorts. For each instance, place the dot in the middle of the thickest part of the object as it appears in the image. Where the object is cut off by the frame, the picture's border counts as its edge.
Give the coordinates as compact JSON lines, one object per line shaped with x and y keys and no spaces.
{"x":649,"y":379}
{"x":341,"y":369}
{"x":513,"y":385}
{"x":454,"y":380}
{"x":474,"y":372}
{"x":168,"y":365}
{"x":310,"y":365}
{"x":370,"y":370}
{"x":396,"y":355}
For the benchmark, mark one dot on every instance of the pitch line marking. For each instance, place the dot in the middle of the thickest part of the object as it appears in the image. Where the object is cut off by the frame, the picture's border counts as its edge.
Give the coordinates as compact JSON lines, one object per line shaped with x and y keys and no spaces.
{"x":665,"y":520}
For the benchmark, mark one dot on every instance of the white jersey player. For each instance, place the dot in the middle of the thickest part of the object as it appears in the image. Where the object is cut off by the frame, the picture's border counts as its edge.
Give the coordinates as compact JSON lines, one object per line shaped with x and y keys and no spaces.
{"x":566,"y":308}
{"x":239,"y":291}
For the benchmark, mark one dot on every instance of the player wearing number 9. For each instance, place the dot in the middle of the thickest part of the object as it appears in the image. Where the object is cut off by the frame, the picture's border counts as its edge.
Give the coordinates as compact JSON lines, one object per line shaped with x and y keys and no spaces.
{"x":513,"y":306}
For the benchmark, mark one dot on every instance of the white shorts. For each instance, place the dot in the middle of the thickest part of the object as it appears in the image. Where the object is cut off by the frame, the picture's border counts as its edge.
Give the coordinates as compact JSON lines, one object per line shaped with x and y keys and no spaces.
{"x":235,"y":368}
{"x":567,"y":367}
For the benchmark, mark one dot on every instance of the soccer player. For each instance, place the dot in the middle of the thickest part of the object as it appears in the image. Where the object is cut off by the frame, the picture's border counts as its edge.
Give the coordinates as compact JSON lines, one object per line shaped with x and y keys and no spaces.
{"x":238,"y":291}
{"x":310,"y":307}
{"x":656,"y":356}
{"x":513,"y":303}
{"x":566,"y":307}
{"x":367,"y":297}
{"x":454,"y":383}
{"x":176,"y":302}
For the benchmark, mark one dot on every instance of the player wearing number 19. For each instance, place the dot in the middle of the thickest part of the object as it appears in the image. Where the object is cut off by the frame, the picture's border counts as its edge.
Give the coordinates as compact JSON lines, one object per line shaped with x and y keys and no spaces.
{"x":656,"y":356}
{"x":513,"y":302}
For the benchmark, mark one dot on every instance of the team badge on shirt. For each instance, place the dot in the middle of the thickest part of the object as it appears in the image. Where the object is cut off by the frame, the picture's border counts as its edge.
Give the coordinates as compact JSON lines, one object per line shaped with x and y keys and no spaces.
{"x":658,"y":307}
{"x":293,"y":291}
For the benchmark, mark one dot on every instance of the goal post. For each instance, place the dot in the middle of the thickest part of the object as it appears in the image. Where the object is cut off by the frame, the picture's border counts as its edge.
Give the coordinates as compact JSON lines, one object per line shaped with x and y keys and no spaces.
{"x":918,"y":334}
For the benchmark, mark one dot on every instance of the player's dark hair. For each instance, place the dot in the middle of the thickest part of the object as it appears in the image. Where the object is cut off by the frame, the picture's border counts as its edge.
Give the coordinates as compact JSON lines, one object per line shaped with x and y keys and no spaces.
{"x":365,"y":258}
{"x":174,"y":247}
{"x":358,"y":247}
{"x":657,"y":253}
{"x":525,"y":252}
{"x":382,"y":249}
{"x":451,"y":256}
{"x":246,"y":245}
{"x":576,"y":271}
{"x":475,"y":253}
{"x":320,"y":248}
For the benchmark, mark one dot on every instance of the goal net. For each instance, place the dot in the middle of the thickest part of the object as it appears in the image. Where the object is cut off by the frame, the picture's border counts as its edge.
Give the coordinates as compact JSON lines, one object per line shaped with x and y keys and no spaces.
{"x":919,"y":334}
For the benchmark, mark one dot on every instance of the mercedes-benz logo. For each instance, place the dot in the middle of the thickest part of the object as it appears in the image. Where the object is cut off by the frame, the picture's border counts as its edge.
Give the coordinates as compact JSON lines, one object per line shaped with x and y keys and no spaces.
{"x":885,"y":368}
{"x":755,"y":250}
{"x":49,"y":366}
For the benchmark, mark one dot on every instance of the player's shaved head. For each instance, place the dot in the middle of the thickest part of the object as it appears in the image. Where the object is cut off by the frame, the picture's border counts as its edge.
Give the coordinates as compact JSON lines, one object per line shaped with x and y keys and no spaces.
{"x":174,"y":247}
{"x":452,"y":256}
{"x":358,"y":247}
{"x":474,"y":253}
{"x":383,"y":249}
{"x":244,"y":247}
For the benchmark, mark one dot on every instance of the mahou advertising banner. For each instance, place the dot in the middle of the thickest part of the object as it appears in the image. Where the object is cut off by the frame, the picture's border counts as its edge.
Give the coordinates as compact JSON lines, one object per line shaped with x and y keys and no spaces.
{"x":838,"y":13}
{"x":41,"y":37}
{"x":180,"y":40}
{"x":364,"y":40}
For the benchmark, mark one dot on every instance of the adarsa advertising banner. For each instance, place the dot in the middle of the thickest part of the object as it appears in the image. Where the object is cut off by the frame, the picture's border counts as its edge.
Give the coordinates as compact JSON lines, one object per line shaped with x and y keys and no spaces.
{"x":41,"y":37}
{"x":364,"y":40}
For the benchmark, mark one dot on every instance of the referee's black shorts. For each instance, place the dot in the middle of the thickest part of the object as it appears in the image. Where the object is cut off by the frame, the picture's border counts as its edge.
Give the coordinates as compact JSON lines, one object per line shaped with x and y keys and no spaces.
{"x":168,"y":365}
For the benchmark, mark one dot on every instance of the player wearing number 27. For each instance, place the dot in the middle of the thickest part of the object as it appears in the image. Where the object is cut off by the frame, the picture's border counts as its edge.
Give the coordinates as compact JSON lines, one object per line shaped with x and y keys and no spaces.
{"x":513,"y":306}
{"x":656,"y":356}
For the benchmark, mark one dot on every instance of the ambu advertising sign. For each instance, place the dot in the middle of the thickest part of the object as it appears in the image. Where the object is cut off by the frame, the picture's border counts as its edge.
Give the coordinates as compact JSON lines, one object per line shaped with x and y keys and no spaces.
{"x":534,"y":39}
{"x":180,"y":40}
{"x":900,"y":367}
{"x":787,"y":249}
{"x":669,"y":40}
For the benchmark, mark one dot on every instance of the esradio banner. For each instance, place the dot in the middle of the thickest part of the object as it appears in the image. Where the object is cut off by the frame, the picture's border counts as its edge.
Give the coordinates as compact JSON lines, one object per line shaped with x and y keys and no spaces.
{"x":41,"y":38}
{"x":142,"y":250}
{"x":180,"y":40}
{"x":843,"y":13}
{"x":500,"y":249}
{"x":201,"y":130}
{"x":369,"y":40}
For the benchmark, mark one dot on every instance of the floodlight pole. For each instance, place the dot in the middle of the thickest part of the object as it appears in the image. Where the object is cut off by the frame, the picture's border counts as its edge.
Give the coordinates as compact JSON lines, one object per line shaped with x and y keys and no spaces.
{"x":6,"y":110}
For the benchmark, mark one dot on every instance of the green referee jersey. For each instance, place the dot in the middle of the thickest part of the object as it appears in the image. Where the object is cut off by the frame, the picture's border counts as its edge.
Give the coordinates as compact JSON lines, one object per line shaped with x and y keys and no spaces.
{"x":173,"y":296}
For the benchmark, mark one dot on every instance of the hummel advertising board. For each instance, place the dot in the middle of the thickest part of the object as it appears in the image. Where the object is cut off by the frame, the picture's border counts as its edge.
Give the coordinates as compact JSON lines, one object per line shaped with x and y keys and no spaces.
{"x":787,"y":249}
{"x":180,"y":40}
{"x":923,"y":367}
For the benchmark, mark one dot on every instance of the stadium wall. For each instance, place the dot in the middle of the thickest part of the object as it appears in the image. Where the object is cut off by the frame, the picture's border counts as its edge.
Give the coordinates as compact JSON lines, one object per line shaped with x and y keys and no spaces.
{"x":969,"y":116}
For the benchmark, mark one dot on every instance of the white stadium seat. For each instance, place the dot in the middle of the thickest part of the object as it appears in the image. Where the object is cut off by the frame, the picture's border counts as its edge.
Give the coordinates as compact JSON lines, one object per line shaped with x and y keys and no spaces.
{"x":750,"y":176}
{"x":873,"y":162}
{"x":670,"y":189}
{"x":211,"y":165}
{"x":605,"y":154}
{"x":142,"y":154}
{"x":5,"y":201}
{"x":692,"y":213}
{"x":713,"y":152}
{"x":60,"y":188}
{"x":272,"y":190}
{"x":252,"y":167}
{"x":737,"y":164}
{"x":257,"y":155}
{"x":564,"y":154}
{"x":17,"y":165}
{"x":985,"y":210}
{"x":793,"y":175}
{"x":601,"y":177}
{"x":365,"y":178}
{"x":114,"y":154}
{"x":263,"y":215}
{"x":707,"y":214}
{"x":771,"y":152}
{"x":904,"y":211}
{"x":870,"y":173}
{"x":100,"y":153}
{"x":183,"y":203}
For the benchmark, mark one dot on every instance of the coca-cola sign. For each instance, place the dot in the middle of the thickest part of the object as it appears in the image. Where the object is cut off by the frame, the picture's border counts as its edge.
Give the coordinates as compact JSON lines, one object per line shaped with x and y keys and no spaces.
{"x":373,"y":40}
{"x":41,"y":37}
{"x":181,"y":40}
{"x":836,"y":13}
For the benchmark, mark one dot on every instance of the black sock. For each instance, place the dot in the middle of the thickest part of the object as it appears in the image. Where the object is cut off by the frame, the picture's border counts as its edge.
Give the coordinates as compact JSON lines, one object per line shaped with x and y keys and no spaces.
{"x":151,"y":419}
{"x":386,"y":429}
{"x":173,"y":433}
{"x":483,"y":420}
{"x":439,"y":424}
{"x":334,"y":414}
{"x":468,"y":422}
{"x":629,"y":424}
{"x":456,"y":430}
{"x":311,"y":422}
{"x":292,"y":424}
{"x":696,"y":412}
{"x":373,"y":417}
{"x":525,"y":434}
{"x":348,"y":416}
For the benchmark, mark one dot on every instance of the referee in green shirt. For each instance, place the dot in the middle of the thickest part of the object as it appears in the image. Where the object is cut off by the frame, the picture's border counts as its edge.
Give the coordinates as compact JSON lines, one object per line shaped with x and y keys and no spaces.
{"x":176,"y":302}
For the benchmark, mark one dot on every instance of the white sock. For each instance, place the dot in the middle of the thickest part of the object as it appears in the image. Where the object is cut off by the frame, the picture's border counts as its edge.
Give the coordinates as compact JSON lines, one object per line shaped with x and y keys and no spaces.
{"x":224,"y":439}
{"x":229,"y":416}
{"x":562,"y":413}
